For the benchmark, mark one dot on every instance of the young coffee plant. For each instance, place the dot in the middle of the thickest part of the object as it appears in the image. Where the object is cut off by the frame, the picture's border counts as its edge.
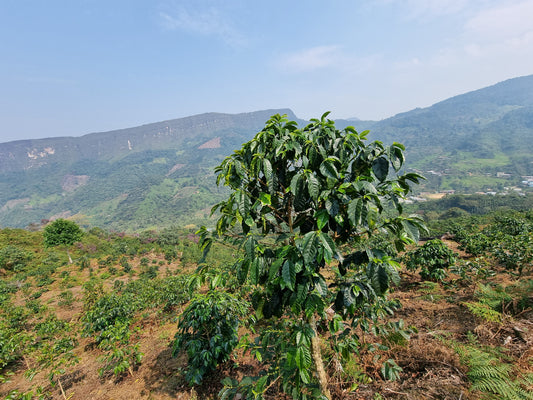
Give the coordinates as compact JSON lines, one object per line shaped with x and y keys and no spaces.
{"x":472,"y":270}
{"x":12,"y":258}
{"x":433,"y":259}
{"x":514,"y":252}
{"x":56,"y":357}
{"x":283,"y":346}
{"x":106,"y":312}
{"x":301,"y":198}
{"x":511,"y":242}
{"x":14,"y":335}
{"x":207,"y":331}
{"x":121,"y":356}
{"x":475,"y":244}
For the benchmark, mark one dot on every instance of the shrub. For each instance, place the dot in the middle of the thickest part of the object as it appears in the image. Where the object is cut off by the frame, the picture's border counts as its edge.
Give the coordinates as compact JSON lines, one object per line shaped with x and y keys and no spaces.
{"x":207,"y":330}
{"x":66,"y":298}
{"x":13,"y":258}
{"x":61,"y":232}
{"x":120,"y":356}
{"x":433,"y":259}
{"x":108,"y":310}
{"x":168,"y":237}
{"x":170,"y":253}
{"x":149,"y":272}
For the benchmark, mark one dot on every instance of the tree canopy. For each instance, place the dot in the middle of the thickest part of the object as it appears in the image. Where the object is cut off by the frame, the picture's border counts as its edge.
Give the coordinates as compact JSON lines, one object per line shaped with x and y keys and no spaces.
{"x":61,"y":232}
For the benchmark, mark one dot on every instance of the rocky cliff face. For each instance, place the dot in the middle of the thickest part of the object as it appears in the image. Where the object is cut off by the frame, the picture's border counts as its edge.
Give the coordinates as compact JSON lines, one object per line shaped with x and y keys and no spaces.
{"x":30,"y":154}
{"x":157,"y":173}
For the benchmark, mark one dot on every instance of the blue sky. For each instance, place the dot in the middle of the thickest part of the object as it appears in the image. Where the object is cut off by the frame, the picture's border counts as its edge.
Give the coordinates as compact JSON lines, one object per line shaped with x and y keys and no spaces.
{"x":73,"y":67}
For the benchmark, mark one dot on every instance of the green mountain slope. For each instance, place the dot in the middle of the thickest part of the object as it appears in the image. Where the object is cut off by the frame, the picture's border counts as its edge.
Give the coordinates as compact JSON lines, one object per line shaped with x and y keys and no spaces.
{"x":154,"y":175}
{"x":161,"y":174}
{"x":464,"y":142}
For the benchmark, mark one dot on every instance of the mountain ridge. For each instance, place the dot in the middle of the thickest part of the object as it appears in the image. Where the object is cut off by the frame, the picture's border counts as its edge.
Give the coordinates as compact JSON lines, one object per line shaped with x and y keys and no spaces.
{"x":30,"y":153}
{"x":161,"y":174}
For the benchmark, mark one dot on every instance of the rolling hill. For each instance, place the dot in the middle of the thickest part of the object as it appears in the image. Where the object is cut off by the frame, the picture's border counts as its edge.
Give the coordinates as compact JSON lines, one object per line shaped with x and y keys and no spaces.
{"x":161,"y":174}
{"x":465,"y":142}
{"x":149,"y":176}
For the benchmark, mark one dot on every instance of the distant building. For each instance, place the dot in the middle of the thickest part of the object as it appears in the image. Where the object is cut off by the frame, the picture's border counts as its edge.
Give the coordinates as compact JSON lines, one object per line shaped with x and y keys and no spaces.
{"x":503,"y":175}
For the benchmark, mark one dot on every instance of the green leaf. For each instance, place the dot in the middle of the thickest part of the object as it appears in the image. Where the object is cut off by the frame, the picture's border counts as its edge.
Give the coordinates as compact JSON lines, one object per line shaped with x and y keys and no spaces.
{"x":243,"y":204}
{"x":344,"y":299}
{"x":332,"y":205}
{"x":320,"y":285}
{"x":313,"y":186}
{"x":412,"y":230}
{"x":328,"y":245}
{"x":314,"y":158}
{"x":255,"y":271}
{"x":265,"y":198}
{"x":249,"y":221}
{"x":305,"y":376}
{"x":242,"y":270}
{"x":288,"y":274}
{"x":328,"y":169}
{"x":392,"y":270}
{"x":413,"y":177}
{"x":267,"y":169}
{"x":301,"y":293}
{"x":295,"y":186}
{"x":354,"y":211}
{"x":390,"y":370}
{"x":309,"y":247}
{"x":365,"y":187}
{"x":274,"y":269}
{"x":379,"y":277}
{"x":239,"y":168}
{"x":249,"y":247}
{"x":396,"y":155}
{"x":380,"y":167}
{"x":322,"y":218}
{"x":303,"y":357}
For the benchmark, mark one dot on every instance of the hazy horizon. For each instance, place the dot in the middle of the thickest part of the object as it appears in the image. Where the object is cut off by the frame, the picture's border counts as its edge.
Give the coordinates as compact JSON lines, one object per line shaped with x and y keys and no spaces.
{"x":94,"y":66}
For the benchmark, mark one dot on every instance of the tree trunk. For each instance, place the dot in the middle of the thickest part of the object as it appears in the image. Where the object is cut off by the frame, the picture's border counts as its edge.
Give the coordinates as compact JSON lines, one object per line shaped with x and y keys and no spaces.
{"x":319,"y":364}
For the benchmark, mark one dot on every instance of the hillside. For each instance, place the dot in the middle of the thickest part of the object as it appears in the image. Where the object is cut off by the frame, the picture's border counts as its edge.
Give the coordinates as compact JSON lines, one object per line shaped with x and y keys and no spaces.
{"x":161,"y":174}
{"x":117,"y":179}
{"x":462,"y":143}
{"x":103,"y":327}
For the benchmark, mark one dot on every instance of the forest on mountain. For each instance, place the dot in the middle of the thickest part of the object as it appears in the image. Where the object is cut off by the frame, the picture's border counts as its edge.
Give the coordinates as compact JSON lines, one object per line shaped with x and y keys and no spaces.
{"x":161,"y":174}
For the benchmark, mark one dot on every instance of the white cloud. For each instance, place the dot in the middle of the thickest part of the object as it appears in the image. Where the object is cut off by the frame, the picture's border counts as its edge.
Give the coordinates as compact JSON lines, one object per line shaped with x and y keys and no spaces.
{"x":497,"y":37}
{"x":208,"y":22}
{"x":500,"y":37}
{"x":318,"y":57}
{"x":427,"y":9}
{"x":332,"y":57}
{"x":421,"y":8}
{"x":510,"y":21}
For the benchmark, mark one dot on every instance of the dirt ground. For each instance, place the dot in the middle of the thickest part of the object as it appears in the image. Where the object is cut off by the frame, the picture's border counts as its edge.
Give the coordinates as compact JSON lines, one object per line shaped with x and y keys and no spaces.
{"x":431,"y":370}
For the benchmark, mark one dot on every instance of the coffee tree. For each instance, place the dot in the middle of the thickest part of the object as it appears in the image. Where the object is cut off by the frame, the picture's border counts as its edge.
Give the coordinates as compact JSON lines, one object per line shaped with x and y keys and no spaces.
{"x":433,"y":259}
{"x":303,"y":201}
